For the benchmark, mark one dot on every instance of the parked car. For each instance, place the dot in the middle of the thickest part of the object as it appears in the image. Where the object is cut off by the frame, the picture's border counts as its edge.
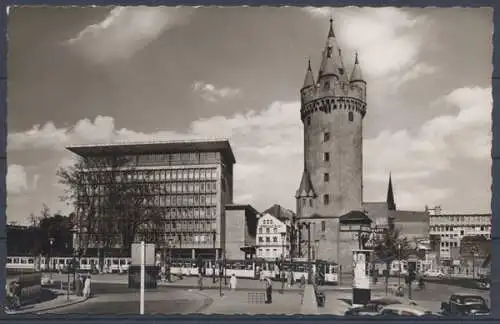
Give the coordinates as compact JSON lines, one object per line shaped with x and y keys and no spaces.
{"x":434,"y":274}
{"x":465,"y":305}
{"x":372,"y":308}
{"x":405,"y":310}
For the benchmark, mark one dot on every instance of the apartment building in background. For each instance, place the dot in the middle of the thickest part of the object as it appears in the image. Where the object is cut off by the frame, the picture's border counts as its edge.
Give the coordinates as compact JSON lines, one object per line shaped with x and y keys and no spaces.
{"x":273,"y":238}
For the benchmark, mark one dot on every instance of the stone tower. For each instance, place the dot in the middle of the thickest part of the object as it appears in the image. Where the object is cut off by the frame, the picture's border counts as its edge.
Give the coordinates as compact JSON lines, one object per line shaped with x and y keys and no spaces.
{"x":332,"y":111}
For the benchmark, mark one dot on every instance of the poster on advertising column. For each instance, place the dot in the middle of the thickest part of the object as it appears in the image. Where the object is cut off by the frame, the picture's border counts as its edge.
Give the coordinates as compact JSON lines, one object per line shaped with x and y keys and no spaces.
{"x":361,"y":279}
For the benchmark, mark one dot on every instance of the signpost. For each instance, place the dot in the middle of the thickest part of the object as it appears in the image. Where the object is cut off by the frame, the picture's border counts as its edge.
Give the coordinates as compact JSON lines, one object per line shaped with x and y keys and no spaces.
{"x":143,"y":275}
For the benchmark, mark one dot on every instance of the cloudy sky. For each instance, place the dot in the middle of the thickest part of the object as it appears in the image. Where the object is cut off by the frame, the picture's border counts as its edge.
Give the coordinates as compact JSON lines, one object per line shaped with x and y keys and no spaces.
{"x":99,"y":75}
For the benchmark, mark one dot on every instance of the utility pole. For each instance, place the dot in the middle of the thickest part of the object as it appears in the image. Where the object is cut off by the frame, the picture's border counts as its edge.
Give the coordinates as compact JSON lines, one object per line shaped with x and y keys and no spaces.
{"x":309,"y":272}
{"x":282,"y":270}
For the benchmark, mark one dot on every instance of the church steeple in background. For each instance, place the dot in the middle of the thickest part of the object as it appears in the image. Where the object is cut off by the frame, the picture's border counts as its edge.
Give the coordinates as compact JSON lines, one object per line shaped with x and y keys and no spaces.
{"x":390,"y":195}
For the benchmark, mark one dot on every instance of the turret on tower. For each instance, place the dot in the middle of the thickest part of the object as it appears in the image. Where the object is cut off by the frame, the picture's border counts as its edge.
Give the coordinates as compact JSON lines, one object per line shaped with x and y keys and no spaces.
{"x":358,"y":83}
{"x":309,"y":87}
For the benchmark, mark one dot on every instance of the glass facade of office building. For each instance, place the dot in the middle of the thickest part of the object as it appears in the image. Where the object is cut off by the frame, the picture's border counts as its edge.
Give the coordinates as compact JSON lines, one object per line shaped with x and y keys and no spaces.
{"x":188,"y":189}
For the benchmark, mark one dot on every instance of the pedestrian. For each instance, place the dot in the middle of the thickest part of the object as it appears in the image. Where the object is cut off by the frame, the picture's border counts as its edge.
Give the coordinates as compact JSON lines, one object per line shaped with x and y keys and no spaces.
{"x":79,"y":286}
{"x":200,"y":281}
{"x":302,"y":281}
{"x":233,"y":282}
{"x":17,"y":295}
{"x":86,"y":287}
{"x":269,"y":290}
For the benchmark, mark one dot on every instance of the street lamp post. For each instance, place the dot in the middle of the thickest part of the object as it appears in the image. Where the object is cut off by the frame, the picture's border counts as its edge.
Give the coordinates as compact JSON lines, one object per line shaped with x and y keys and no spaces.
{"x":282,"y":270}
{"x":51,"y":242}
{"x":399,"y":265}
{"x":169,"y":266}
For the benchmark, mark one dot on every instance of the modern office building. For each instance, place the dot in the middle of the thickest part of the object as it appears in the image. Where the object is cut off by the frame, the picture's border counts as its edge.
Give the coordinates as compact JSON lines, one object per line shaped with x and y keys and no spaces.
{"x":452,"y":228}
{"x":188,"y":183}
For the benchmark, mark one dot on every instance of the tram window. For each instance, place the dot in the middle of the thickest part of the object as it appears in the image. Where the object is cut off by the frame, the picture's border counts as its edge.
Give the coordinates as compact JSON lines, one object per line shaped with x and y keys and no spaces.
{"x":115,"y":261}
{"x":9,"y":260}
{"x":61,"y":261}
{"x":83,"y":261}
{"x":23,"y":261}
{"x":15,"y":260}
{"x":31,"y":261}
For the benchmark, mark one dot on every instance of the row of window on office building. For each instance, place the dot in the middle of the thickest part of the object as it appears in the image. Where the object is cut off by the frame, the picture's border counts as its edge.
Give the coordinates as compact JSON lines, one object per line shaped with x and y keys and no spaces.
{"x":179,"y":239}
{"x":205,"y":226}
{"x":191,"y":157}
{"x":467,"y":219}
{"x":161,"y":188}
{"x":172,"y":201}
{"x":443,"y":228}
{"x":155,"y":175}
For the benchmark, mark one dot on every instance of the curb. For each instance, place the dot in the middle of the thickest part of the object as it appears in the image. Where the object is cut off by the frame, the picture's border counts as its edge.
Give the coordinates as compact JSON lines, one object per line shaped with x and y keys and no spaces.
{"x":207,"y":302}
{"x":42,"y":310}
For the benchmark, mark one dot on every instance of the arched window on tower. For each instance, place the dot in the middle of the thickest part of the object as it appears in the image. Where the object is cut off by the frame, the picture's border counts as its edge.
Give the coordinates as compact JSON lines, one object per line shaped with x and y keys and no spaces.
{"x":308,"y":120}
{"x":351,"y":116}
{"x":326,"y":85}
{"x":310,"y":202}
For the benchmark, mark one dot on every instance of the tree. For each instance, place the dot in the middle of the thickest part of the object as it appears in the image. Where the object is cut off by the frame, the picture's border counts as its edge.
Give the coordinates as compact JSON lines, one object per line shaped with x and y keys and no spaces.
{"x":390,"y":246}
{"x":110,"y":199}
{"x":58,"y":228}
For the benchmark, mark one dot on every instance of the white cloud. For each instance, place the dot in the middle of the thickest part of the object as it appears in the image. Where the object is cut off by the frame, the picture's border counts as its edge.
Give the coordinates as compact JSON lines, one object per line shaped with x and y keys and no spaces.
{"x":125,"y":31}
{"x":434,"y":147}
{"x":268,"y":148}
{"x":17,"y":179}
{"x":387,"y":39}
{"x":211,"y":93}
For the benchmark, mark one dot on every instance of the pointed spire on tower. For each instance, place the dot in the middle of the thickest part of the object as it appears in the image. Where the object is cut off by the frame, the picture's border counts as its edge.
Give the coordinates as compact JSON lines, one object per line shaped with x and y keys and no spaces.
{"x":331,"y":33}
{"x":305,"y":188}
{"x":356,"y":74}
{"x":390,"y":195}
{"x":309,"y":79}
{"x":331,"y":61}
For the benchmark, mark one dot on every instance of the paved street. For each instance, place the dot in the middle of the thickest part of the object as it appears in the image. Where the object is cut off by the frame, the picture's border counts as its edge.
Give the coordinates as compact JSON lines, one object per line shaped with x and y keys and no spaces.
{"x":112,"y":296}
{"x":119,"y":300}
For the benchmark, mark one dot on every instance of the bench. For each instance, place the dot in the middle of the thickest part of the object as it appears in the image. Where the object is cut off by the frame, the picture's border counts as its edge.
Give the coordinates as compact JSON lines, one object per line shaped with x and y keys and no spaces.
{"x":256,"y":298}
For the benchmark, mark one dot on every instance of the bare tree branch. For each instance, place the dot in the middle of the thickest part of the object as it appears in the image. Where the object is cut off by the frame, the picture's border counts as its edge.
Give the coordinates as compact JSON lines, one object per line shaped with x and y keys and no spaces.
{"x":111,"y":200}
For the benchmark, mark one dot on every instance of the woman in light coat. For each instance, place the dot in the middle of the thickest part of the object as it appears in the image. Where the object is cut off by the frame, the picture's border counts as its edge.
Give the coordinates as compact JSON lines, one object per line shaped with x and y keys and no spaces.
{"x":233,"y":282}
{"x":86,"y":287}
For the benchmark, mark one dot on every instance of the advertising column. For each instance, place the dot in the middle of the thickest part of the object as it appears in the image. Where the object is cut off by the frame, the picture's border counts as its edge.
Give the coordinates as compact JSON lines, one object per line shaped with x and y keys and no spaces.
{"x":361,"y":292}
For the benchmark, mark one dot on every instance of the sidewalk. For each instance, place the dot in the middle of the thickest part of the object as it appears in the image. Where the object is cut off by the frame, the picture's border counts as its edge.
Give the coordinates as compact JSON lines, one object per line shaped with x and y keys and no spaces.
{"x":235,"y":303}
{"x":60,"y":301}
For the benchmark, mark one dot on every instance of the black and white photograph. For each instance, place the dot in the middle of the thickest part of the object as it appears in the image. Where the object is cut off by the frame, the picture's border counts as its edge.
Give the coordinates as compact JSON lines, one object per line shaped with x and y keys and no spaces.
{"x":249,"y":160}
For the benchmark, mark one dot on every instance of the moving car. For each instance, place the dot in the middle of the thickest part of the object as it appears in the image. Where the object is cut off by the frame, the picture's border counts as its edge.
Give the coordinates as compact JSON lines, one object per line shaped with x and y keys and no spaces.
{"x":404,"y":310}
{"x":372,"y":308}
{"x":465,"y":305}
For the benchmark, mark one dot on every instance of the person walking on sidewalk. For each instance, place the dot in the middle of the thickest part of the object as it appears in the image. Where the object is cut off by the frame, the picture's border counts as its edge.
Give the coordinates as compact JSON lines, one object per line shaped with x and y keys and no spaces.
{"x":269,"y":290}
{"x":262,"y":277}
{"x":233,"y":282}
{"x":200,"y":281}
{"x":86,"y":289}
